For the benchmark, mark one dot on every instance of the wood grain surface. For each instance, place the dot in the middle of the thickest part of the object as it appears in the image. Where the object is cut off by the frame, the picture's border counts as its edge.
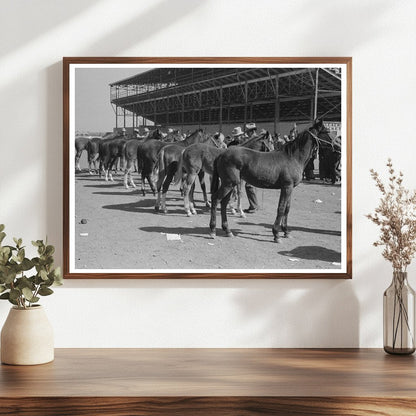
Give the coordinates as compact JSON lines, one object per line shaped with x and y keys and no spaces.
{"x":212,"y":381}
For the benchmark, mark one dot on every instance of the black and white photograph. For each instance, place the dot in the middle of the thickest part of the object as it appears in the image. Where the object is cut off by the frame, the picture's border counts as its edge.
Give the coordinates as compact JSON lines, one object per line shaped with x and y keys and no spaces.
{"x":212,"y":168}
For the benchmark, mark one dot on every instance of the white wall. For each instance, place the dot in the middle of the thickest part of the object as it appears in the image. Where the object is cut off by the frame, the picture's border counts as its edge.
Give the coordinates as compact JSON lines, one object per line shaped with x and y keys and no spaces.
{"x":380,"y":35}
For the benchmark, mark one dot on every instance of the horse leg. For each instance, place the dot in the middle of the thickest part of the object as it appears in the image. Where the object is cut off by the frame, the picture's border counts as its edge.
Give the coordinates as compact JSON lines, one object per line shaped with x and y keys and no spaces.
{"x":126,"y":174}
{"x":224,"y":202}
{"x":201,"y":176}
{"x":160,"y":181}
{"x":77,"y":159}
{"x":191,"y":198}
{"x":188,"y":183}
{"x":215,"y":198}
{"x":239,"y":204}
{"x":284,"y":219}
{"x":166,"y":184}
{"x":281,"y":209}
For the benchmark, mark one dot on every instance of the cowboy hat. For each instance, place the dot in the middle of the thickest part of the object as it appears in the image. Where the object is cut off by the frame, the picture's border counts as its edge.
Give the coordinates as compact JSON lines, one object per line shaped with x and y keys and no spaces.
{"x":237,"y":131}
{"x":251,"y":126}
{"x":170,"y":130}
{"x":146,"y":130}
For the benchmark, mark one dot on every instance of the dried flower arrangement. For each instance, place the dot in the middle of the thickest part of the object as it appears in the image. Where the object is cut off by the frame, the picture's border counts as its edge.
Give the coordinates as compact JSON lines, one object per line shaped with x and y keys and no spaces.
{"x":396,"y":216}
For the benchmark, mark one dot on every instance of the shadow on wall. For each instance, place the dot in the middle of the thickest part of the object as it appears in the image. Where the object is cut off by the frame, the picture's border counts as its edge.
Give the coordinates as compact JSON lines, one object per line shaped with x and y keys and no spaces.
{"x":300,"y":313}
{"x":139,"y":28}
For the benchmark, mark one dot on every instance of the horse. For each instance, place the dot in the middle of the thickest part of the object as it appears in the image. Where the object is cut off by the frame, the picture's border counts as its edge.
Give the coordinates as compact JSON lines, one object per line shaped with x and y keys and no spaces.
{"x":130,"y":155}
{"x":93,"y":150}
{"x":198,"y":159}
{"x":81,"y":143}
{"x":147,"y":153}
{"x":109,"y":150}
{"x":273,"y":170}
{"x":167,"y":164}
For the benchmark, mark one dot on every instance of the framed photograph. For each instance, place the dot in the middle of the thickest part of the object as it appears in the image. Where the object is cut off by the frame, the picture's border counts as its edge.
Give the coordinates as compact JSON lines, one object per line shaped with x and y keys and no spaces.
{"x":207,"y":168}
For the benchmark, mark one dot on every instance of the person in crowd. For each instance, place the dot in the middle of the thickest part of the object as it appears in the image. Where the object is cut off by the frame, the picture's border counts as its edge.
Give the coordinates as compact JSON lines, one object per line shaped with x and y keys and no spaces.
{"x":336,"y":159}
{"x":220,"y":140}
{"x":237,"y":135}
{"x":253,"y":206}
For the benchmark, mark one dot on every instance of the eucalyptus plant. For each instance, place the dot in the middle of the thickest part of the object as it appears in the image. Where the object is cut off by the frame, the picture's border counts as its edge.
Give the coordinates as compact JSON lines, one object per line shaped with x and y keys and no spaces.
{"x":19,"y":284}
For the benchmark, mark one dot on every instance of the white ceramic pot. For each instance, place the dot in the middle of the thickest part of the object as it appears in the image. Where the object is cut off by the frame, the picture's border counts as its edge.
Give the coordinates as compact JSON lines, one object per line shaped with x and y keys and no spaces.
{"x":27,"y":337}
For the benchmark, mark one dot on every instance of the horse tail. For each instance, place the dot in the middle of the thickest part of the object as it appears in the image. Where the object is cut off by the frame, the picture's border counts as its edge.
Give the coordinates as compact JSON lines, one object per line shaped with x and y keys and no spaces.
{"x":215,"y":182}
{"x":159,"y":167}
{"x":179,"y":170}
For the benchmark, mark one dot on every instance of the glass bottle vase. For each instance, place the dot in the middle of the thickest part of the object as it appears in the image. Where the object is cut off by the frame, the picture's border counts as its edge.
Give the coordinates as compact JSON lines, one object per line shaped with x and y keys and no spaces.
{"x":399,"y":316}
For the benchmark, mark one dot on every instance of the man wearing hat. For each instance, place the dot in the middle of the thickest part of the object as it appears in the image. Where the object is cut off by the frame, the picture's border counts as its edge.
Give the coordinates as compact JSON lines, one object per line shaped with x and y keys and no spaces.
{"x":237,"y":135}
{"x":253,"y":205}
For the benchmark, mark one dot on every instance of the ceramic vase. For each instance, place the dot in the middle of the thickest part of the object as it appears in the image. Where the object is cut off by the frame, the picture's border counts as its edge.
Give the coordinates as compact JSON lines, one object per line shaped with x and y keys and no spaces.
{"x":27,"y":337}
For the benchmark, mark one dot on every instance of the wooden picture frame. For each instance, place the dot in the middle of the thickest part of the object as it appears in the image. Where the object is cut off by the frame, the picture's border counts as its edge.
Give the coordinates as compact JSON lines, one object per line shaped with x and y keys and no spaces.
{"x":110,"y":232}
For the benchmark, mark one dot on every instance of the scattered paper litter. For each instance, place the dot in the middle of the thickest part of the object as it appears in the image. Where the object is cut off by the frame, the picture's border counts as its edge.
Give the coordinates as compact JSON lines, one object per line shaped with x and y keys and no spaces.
{"x":172,"y":237}
{"x":335,"y":263}
{"x":83,"y":234}
{"x":210,"y":244}
{"x":317,"y":201}
{"x":293,"y":259}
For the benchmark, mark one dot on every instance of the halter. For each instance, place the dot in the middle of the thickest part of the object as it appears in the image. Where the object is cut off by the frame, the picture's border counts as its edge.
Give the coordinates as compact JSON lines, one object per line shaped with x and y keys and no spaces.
{"x":319,"y":140}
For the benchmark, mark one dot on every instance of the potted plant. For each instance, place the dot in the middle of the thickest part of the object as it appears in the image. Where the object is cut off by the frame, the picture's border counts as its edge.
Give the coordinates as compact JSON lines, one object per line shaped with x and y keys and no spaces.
{"x":396,"y":217}
{"x":27,"y":336}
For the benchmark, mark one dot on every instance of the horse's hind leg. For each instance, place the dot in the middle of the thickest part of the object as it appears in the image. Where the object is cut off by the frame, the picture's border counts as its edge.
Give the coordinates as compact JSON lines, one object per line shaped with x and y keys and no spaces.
{"x":239,"y":203}
{"x":201,"y":176}
{"x":126,"y":174}
{"x":77,"y":159}
{"x":166,"y":184}
{"x":285,"y":194}
{"x":224,"y":202}
{"x":188,"y":184}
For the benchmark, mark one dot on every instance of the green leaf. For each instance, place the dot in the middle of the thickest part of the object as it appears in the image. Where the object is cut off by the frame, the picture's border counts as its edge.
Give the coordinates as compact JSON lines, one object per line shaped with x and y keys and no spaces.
{"x":2,"y":227}
{"x":43,"y":274}
{"x":5,"y":295}
{"x":26,"y":264}
{"x":18,"y":242}
{"x":27,"y":293}
{"x":24,"y":282}
{"x":21,"y":255}
{"x":15,"y":294}
{"x":45,"y":291}
{"x":57,"y":275}
{"x":2,"y":236}
{"x":49,"y":250}
{"x":37,"y":243}
{"x":2,"y":288}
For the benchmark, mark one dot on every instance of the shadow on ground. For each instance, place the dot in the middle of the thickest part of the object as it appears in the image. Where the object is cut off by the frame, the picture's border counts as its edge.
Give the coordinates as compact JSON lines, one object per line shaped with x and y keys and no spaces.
{"x":313,"y":253}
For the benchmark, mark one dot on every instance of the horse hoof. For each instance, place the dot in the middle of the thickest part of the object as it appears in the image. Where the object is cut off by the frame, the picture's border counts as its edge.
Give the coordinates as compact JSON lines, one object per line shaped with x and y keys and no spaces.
{"x":188,"y":214}
{"x":208,"y":204}
{"x":165,"y":211}
{"x":229,"y":234}
{"x":277,"y":240}
{"x":194,"y":213}
{"x":157,"y":209}
{"x":233,"y":211}
{"x":144,"y":194}
{"x":212,"y":235}
{"x":287,"y":235}
{"x":242,"y":215}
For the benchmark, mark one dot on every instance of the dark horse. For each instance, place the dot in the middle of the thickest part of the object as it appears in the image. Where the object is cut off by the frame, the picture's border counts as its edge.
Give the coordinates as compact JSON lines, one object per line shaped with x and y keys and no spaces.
{"x":274,"y":170}
{"x":198,"y":159}
{"x":167,"y":165}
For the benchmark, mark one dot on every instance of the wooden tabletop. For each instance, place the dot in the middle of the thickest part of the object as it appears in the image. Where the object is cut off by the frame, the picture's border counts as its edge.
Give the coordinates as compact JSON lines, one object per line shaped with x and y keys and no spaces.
{"x":217,"y":374}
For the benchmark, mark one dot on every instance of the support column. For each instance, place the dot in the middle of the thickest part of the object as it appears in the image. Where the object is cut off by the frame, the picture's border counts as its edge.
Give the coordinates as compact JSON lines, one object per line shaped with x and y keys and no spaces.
{"x":245,"y":103}
{"x":315,"y":107}
{"x":276,"y":106}
{"x":124,"y":117}
{"x":220,"y":109}
{"x":116,"y":116}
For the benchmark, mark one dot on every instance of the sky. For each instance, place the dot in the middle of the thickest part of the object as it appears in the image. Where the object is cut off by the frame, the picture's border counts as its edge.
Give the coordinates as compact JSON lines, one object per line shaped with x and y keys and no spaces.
{"x":93,"y":110}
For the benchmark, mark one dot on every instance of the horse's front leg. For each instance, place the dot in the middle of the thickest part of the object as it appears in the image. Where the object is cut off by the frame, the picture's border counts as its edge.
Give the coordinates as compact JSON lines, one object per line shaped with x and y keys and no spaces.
{"x":77,"y":159}
{"x":281,"y":209}
{"x":213,"y":220}
{"x":284,"y":219}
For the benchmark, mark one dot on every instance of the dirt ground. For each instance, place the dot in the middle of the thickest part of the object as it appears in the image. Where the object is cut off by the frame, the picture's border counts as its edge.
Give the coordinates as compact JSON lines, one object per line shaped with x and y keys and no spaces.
{"x":116,"y":228}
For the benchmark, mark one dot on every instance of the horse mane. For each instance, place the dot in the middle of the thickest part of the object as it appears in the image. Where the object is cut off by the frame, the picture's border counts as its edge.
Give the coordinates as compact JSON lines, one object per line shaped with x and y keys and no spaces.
{"x":197,"y":131}
{"x":298,"y":143}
